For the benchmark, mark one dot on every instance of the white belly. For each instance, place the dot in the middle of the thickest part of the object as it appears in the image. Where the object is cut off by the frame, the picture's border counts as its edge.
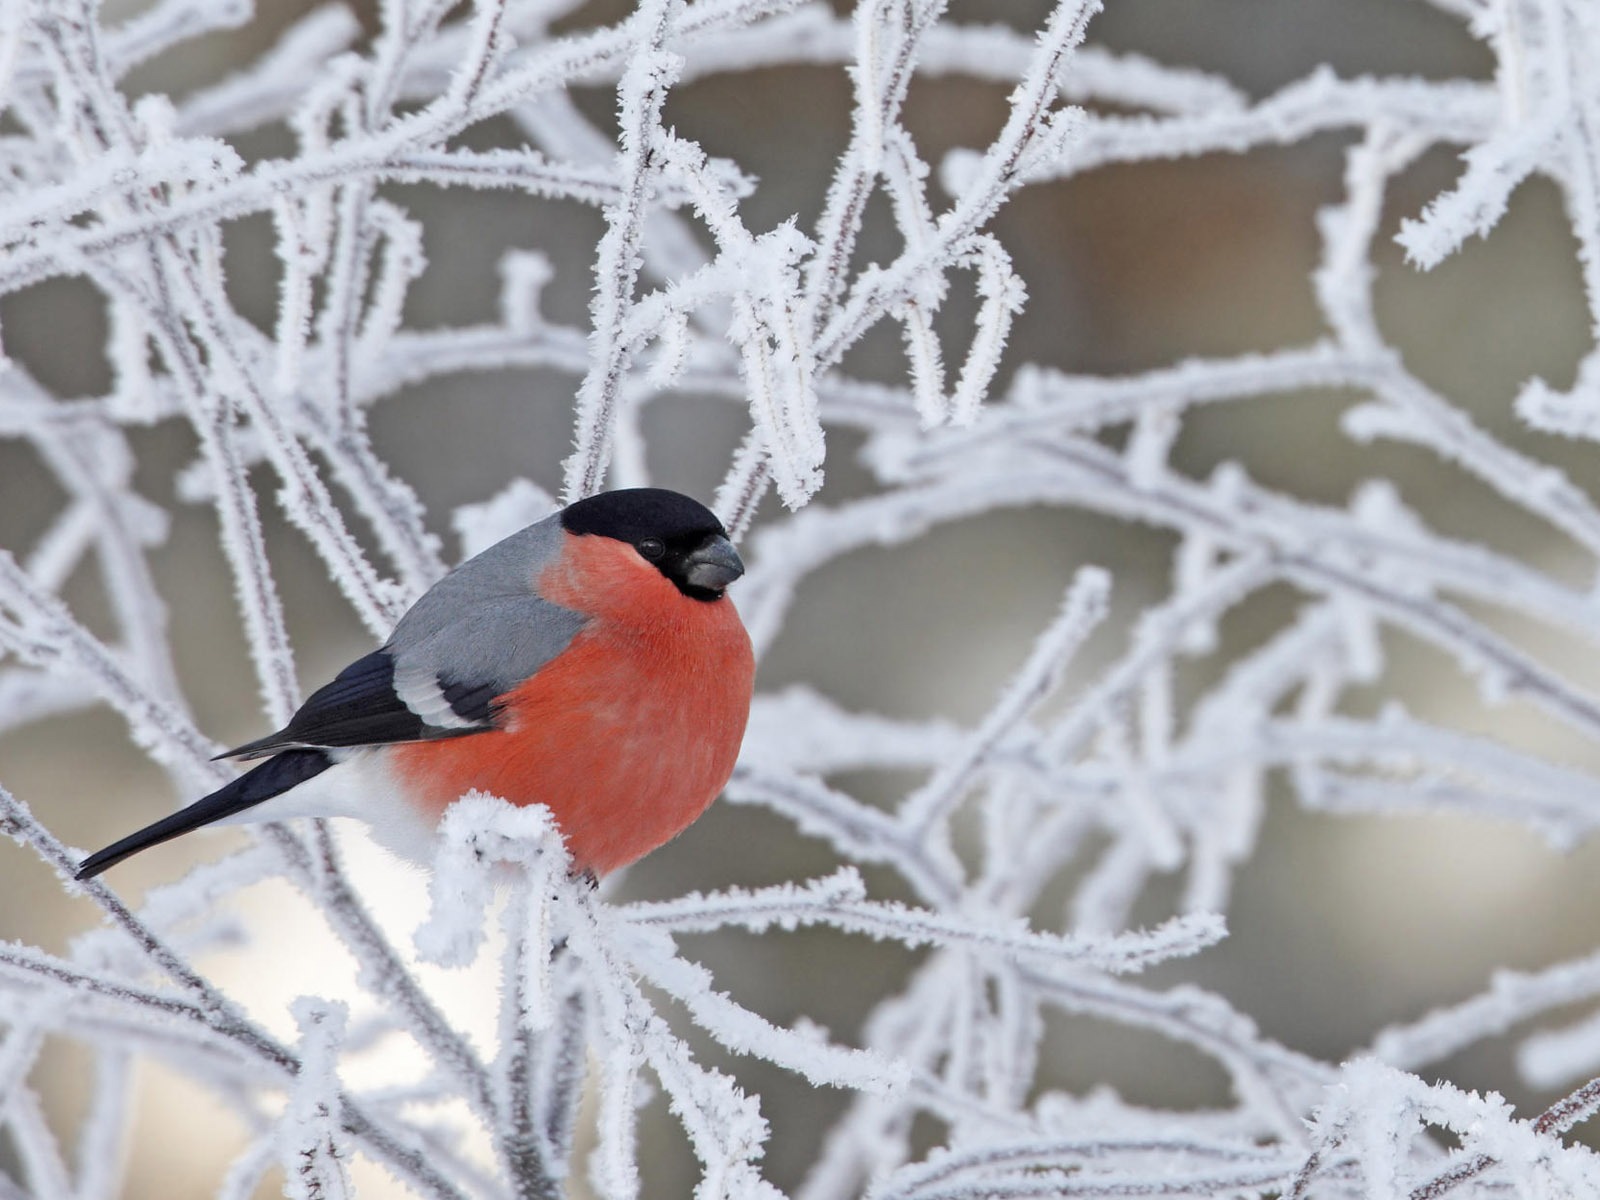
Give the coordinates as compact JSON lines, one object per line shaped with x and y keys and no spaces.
{"x":360,"y":785}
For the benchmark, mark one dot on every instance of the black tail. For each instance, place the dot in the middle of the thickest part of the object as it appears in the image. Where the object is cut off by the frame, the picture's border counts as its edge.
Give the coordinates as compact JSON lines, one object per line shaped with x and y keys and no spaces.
{"x":276,"y":775}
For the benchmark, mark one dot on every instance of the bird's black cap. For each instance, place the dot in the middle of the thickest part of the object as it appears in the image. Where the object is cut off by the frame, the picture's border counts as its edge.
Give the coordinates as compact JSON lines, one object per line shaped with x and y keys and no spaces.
{"x":633,"y":514}
{"x":680,"y":537}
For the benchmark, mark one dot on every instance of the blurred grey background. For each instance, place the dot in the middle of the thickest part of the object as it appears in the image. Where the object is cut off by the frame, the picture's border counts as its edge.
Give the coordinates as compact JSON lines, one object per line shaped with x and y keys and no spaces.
{"x":1339,"y":925}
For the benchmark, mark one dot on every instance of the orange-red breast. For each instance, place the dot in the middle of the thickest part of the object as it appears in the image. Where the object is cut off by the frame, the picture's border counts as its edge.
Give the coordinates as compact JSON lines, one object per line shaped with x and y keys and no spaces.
{"x":591,"y":662}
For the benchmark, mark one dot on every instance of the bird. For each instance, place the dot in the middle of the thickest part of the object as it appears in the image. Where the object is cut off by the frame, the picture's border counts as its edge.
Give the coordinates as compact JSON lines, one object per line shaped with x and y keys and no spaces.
{"x":591,"y":662}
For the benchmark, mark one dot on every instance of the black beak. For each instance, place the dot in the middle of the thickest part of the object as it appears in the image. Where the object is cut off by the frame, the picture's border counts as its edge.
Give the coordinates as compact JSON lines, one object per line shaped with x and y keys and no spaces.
{"x":713,"y":565}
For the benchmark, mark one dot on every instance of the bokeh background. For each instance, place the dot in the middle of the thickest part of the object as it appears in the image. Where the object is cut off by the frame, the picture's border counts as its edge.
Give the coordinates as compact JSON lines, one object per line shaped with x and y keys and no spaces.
{"x":1340,"y":925}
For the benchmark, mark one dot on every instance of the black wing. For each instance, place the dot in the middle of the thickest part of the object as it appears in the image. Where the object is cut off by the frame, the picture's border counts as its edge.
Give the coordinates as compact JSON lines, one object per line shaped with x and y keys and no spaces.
{"x":361,"y":708}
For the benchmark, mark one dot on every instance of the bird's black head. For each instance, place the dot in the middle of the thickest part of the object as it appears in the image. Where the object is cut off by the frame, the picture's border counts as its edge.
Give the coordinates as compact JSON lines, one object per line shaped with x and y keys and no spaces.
{"x":680,"y":537}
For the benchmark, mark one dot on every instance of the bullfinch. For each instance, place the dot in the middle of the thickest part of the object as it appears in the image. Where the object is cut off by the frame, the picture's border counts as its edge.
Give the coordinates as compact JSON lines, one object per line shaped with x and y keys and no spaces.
{"x":591,"y":662}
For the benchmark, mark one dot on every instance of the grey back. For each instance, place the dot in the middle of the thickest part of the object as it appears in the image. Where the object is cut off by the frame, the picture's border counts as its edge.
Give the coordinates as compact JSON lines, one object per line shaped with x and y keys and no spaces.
{"x":483,"y":623}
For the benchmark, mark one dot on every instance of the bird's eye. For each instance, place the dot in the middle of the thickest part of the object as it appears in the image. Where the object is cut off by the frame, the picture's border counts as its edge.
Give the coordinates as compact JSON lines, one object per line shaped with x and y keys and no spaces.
{"x":652,"y":548}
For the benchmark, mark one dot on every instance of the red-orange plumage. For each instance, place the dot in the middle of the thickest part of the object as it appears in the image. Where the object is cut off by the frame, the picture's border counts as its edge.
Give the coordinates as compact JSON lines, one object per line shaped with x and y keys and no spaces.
{"x":630,"y":732}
